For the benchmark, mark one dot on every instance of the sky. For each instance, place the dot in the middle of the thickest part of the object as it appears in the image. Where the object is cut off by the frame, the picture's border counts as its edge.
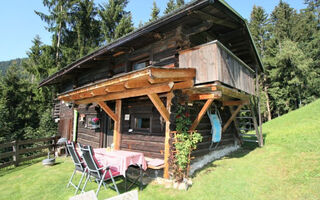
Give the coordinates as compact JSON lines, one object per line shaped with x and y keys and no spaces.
{"x":19,"y":24}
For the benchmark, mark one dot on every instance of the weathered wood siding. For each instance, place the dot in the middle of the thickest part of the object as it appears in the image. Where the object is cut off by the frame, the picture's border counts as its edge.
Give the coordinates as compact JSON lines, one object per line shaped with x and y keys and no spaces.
{"x":150,"y":143}
{"x":214,"y":62}
{"x":85,"y":135}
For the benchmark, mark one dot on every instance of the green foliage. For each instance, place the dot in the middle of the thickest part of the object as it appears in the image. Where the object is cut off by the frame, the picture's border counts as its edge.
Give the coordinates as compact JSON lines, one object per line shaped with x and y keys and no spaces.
{"x":115,"y":21}
{"x":171,"y":6}
{"x":186,"y":142}
{"x":289,"y":44}
{"x":4,"y":65}
{"x":155,"y":11}
{"x":17,"y":99}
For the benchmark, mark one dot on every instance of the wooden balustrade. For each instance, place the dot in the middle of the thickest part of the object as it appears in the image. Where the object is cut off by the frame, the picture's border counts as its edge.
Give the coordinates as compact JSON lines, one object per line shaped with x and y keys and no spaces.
{"x":25,"y":150}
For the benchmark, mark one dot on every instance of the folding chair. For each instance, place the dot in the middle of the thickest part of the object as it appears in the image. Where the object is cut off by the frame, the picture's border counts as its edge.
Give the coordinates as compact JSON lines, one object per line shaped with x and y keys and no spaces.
{"x":100,"y":173}
{"x":78,"y":164}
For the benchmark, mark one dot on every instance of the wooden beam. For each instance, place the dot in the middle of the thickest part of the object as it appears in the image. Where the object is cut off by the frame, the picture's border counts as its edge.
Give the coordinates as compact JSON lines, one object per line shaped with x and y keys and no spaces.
{"x":237,"y":133}
{"x":201,"y":114}
{"x":231,"y":92}
{"x":153,"y":80}
{"x":167,"y":139}
{"x":222,"y":22}
{"x":215,"y":95}
{"x":172,"y":73}
{"x":136,"y":83}
{"x":117,"y":126}
{"x":159,"y":88}
{"x":159,"y":105}
{"x":115,"y":88}
{"x":108,"y":110}
{"x":235,"y":103}
{"x":234,"y":114}
{"x":183,"y":85}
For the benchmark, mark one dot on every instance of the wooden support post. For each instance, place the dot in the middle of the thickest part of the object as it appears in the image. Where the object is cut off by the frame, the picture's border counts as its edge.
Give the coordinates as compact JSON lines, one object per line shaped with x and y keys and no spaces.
{"x":255,"y":124}
{"x":160,"y":107}
{"x":167,"y":139}
{"x":108,"y":110}
{"x":233,"y":116}
{"x":117,"y":126}
{"x":259,"y":112}
{"x":201,"y":113}
{"x":237,"y":134}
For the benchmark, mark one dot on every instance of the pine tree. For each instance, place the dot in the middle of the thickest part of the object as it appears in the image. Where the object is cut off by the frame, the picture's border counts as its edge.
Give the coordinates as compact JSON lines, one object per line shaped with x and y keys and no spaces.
{"x":113,"y":15}
{"x":57,"y":20}
{"x":86,"y":26}
{"x":179,"y":3}
{"x":258,"y":27}
{"x":155,"y":12}
{"x":18,"y":107}
{"x":171,"y":6}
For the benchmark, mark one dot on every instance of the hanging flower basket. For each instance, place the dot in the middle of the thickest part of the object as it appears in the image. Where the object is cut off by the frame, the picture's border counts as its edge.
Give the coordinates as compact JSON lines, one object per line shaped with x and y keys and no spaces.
{"x":94,"y":123}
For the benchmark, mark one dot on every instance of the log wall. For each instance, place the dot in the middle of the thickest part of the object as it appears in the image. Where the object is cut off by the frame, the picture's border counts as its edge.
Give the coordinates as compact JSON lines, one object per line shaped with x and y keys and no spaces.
{"x":151,"y":143}
{"x":86,"y":136}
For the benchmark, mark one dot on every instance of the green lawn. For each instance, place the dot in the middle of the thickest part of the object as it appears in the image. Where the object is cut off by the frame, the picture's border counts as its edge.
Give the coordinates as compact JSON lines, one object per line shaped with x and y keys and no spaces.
{"x":288,"y":167}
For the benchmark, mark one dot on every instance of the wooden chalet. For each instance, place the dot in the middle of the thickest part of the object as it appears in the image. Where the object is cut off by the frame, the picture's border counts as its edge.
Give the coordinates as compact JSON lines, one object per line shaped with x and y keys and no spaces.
{"x":202,"y":53}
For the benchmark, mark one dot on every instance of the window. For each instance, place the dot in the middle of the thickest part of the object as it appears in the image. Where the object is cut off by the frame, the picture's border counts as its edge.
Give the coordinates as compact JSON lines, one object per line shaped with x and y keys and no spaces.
{"x":140,"y":64}
{"x":141,"y":123}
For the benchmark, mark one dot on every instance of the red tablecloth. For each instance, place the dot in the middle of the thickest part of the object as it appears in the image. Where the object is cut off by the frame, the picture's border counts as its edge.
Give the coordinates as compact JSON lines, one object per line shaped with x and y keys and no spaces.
{"x":120,"y":159}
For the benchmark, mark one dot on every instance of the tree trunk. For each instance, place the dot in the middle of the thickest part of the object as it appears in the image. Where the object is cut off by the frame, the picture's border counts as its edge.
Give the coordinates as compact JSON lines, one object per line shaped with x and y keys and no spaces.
{"x":59,"y":38}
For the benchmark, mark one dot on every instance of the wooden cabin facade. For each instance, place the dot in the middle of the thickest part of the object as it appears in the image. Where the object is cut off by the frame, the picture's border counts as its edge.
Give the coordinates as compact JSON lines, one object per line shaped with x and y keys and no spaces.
{"x":125,"y":92}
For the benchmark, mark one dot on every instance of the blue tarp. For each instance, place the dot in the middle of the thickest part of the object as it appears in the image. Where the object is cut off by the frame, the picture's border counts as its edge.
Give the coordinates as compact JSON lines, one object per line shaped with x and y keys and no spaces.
{"x":216,"y":128}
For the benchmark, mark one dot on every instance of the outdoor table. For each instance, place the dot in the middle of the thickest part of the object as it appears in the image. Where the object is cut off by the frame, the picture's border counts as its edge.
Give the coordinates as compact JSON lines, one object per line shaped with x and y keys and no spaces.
{"x":121,"y":160}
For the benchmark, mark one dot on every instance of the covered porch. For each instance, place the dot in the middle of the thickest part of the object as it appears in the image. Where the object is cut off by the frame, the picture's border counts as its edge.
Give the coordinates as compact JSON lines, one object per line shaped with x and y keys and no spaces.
{"x":154,"y":83}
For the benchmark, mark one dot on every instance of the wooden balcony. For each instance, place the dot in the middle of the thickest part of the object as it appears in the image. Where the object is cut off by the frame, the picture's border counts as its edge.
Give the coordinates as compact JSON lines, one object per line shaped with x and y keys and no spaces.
{"x":214,"y":62}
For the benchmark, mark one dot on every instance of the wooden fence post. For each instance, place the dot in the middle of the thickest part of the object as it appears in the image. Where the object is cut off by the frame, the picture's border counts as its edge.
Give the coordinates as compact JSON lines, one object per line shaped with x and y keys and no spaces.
{"x":15,"y":149}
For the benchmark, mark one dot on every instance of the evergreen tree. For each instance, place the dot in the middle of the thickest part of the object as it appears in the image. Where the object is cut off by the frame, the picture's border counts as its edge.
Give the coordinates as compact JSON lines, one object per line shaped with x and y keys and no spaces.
{"x":258,"y":27}
{"x":86,"y":26}
{"x":115,"y":21}
{"x":155,"y":12}
{"x":179,"y":3}
{"x":57,"y":20}
{"x":171,"y":6}
{"x":17,"y":105}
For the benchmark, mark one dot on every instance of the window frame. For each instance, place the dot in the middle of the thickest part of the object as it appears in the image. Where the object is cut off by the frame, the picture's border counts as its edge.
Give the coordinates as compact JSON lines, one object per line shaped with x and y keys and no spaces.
{"x":145,"y":60}
{"x":141,"y":130}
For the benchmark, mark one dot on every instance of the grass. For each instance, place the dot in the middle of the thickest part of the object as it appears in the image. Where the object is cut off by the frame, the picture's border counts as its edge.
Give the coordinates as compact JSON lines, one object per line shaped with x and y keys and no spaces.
{"x":288,"y":167}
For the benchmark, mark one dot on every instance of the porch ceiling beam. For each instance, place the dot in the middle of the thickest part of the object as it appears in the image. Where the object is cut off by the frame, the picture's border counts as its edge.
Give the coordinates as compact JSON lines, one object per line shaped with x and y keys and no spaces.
{"x":158,"y":88}
{"x":201,"y":114}
{"x":160,"y":106}
{"x":233,"y":116}
{"x":108,"y":110}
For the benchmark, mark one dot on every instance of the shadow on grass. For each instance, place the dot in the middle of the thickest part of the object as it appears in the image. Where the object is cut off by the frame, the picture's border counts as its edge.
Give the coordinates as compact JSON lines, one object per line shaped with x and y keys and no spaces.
{"x":12,"y":168}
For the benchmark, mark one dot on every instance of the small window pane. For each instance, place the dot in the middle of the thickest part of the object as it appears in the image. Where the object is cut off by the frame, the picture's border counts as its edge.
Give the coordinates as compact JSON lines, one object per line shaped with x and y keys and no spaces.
{"x":141,"y":65}
{"x":142,"y":123}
